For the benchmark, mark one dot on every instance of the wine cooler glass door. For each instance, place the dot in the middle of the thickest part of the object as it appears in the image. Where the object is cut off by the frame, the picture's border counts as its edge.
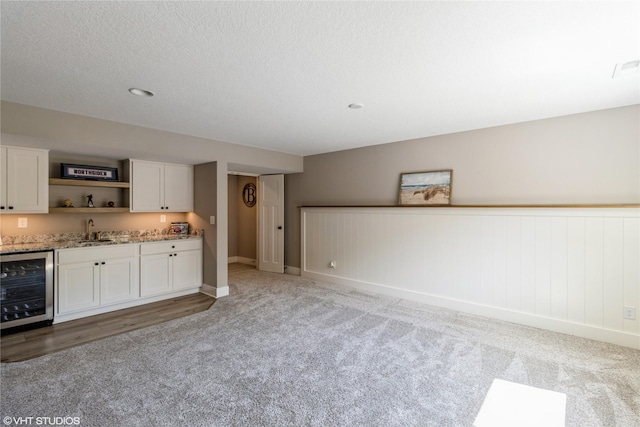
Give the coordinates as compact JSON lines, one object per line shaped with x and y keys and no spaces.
{"x":26,"y":288}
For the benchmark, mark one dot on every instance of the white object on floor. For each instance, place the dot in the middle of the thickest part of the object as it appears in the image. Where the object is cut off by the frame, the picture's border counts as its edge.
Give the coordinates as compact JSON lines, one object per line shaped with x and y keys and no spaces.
{"x":510,"y":404}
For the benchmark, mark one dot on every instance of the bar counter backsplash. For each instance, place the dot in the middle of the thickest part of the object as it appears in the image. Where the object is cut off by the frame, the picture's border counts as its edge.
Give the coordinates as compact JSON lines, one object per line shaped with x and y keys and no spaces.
{"x":29,"y":243}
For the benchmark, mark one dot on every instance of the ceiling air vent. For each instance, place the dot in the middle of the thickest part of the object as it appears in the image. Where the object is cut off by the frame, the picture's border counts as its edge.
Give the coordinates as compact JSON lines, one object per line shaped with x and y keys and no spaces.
{"x":626,"y":69}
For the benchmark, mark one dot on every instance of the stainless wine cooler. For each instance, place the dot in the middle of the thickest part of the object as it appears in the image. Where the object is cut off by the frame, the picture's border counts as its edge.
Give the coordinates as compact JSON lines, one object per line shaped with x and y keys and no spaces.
{"x":26,"y":285}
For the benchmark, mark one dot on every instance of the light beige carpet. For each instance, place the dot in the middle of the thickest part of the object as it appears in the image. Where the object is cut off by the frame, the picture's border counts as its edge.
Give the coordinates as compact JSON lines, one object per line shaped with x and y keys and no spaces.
{"x":283,"y":350}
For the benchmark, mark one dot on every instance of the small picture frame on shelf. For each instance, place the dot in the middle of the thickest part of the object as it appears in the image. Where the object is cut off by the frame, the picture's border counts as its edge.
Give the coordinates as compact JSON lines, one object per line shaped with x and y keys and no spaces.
{"x":89,"y":173}
{"x":431,"y":188}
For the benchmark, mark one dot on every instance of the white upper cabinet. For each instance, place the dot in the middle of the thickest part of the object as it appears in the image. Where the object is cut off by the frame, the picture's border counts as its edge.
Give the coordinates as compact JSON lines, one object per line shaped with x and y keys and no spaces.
{"x":24,"y":180}
{"x":178,"y":188}
{"x":146,"y":186}
{"x":160,"y":187}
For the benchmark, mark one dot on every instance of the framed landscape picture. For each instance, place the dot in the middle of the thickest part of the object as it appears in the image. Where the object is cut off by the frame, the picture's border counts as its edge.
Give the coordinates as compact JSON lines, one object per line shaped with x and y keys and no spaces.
{"x":431,"y":188}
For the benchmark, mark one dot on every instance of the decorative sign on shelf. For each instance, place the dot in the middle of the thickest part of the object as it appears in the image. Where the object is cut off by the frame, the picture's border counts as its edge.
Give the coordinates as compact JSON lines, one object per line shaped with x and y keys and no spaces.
{"x":93,"y":173}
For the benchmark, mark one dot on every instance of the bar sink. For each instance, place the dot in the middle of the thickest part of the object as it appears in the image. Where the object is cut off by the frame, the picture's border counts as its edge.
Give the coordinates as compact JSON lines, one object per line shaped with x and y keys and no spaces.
{"x":87,"y":242}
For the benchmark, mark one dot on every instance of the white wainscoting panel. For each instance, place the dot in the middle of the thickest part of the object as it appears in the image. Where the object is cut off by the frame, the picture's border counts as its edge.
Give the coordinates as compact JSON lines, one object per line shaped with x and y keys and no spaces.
{"x":571,"y":270}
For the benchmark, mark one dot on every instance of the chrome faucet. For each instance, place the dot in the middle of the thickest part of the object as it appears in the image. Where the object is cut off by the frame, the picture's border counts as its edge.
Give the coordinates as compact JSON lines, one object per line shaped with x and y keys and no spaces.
{"x":89,"y":225}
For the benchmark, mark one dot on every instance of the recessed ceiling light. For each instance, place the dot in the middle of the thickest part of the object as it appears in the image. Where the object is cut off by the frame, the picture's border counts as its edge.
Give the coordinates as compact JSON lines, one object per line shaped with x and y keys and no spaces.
{"x":140,"y":92}
{"x":355,"y":106}
{"x":626,"y":68}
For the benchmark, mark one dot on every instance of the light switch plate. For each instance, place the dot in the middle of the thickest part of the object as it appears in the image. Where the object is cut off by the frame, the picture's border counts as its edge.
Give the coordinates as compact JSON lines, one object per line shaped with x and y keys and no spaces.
{"x":212,"y":220}
{"x":163,"y":218}
{"x":22,"y":222}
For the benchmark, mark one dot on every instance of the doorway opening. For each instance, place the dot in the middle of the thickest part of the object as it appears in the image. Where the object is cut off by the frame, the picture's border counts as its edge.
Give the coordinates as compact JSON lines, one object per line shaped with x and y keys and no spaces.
{"x":242,"y":219}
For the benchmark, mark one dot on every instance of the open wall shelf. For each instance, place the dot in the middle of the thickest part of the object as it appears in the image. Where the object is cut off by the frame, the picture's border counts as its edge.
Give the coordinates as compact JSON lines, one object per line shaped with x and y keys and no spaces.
{"x":88,"y":210}
{"x":83,"y":183}
{"x":119,"y":186}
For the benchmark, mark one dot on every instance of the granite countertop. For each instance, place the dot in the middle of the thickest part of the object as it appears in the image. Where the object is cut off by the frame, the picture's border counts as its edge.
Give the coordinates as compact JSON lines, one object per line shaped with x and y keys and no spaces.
{"x":76,"y":240}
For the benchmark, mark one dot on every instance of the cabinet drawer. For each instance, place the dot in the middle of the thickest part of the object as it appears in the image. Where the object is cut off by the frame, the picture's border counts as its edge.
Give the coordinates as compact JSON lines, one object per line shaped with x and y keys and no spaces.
{"x":97,"y":253}
{"x":170,"y":246}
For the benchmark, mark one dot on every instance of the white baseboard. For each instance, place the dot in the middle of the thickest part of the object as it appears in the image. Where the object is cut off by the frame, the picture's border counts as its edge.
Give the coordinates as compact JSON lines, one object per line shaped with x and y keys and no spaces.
{"x":213,"y":291}
{"x":208,"y":290}
{"x":241,"y":260}
{"x":292,"y":270}
{"x":222,"y":292}
{"x":556,"y":325}
{"x":248,"y":261}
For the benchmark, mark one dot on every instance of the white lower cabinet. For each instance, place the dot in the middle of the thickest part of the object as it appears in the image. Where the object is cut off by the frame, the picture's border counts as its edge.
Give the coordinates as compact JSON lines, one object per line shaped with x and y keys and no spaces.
{"x":155,"y":272}
{"x":78,"y":287}
{"x":96,"y":276}
{"x":95,"y":280}
{"x":170,"y":266}
{"x":187,"y":269}
{"x":119,"y":280}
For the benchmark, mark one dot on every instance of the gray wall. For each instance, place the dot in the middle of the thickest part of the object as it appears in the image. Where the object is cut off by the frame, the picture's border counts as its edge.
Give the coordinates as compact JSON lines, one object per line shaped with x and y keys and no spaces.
{"x":233,"y":215}
{"x":242,"y":220}
{"x":64,"y":133}
{"x":247,"y":222}
{"x":584,"y":158}
{"x":72,"y":133}
{"x":205,"y":181}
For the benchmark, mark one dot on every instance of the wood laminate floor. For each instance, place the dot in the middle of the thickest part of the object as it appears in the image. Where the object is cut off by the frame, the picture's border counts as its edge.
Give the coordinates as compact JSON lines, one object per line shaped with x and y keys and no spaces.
{"x":38,"y":342}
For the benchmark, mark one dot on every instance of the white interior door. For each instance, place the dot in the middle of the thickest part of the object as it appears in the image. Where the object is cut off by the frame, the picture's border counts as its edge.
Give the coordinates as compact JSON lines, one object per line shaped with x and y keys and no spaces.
{"x":271,"y":223}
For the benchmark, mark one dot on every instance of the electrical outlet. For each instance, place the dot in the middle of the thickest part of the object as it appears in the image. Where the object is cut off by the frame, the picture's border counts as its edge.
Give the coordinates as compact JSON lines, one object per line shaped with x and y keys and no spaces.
{"x":163,"y":218}
{"x":22,"y":222}
{"x":630,"y":313}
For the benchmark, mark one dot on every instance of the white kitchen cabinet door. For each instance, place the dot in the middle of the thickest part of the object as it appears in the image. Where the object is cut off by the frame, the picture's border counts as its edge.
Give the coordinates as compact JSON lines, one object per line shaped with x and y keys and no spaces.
{"x":24,"y":182}
{"x":155,"y":274}
{"x":147,"y":186}
{"x":161,"y":187}
{"x":118,"y":280}
{"x":178,"y":188}
{"x":78,"y":287}
{"x":187,"y":269}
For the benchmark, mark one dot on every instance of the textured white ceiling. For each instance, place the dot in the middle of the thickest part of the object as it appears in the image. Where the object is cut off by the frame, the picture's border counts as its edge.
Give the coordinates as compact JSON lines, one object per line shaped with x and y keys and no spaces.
{"x":280,"y":75}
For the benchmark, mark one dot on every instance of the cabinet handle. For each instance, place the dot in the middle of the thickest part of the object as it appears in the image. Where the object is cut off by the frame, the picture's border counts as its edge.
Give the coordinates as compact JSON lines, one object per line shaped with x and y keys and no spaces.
{"x":170,"y":255}
{"x":97,"y":263}
{"x":103,"y":263}
{"x":10,"y":207}
{"x":175,"y":254}
{"x":166,"y":207}
{"x":173,"y":246}
{"x":1,"y":207}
